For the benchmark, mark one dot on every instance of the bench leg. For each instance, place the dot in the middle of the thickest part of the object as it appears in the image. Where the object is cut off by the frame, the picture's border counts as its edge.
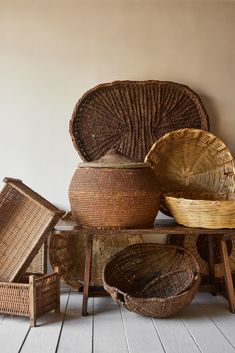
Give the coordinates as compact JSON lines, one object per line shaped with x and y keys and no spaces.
{"x":87,"y":272}
{"x":227,"y":275}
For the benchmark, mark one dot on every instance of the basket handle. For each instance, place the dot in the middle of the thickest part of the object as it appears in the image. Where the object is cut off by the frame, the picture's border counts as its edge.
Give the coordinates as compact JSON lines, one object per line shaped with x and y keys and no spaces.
{"x":119,"y":296}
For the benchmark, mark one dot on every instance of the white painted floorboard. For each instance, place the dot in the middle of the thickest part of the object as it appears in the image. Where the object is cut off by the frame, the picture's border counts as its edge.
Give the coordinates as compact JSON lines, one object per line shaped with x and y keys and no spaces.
{"x":77,"y":333}
{"x":141,"y":334}
{"x":109,"y":333}
{"x":44,"y":337}
{"x":206,"y":326}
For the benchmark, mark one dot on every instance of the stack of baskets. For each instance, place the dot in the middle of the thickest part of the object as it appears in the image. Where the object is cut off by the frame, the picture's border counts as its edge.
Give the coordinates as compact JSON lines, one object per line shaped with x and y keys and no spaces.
{"x":26,"y":219}
{"x":196,"y":173}
{"x":152,"y":279}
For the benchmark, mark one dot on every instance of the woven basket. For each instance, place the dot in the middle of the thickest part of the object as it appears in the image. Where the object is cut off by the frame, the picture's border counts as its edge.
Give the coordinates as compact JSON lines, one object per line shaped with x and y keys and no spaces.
{"x":204,"y":210}
{"x":26,"y":219}
{"x":68,"y":251}
{"x":133,"y":276}
{"x":192,"y":160}
{"x":114,"y":193}
{"x":198,"y":245}
{"x":33,"y":297}
{"x":39,"y":263}
{"x":131,"y":115}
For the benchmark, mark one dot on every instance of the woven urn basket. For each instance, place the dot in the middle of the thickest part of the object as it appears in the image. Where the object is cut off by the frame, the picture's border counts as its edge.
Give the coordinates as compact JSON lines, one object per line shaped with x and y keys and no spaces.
{"x":114,"y":192}
{"x":152,"y":279}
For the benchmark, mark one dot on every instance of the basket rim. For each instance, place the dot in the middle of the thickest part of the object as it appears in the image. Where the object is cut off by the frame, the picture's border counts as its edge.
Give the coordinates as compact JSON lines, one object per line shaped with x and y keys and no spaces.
{"x":197,"y":276}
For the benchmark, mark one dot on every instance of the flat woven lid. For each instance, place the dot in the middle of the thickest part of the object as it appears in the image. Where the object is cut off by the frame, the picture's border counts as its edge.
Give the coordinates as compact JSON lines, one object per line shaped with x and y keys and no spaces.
{"x":131,"y":115}
{"x":192,"y":160}
{"x":68,"y":251}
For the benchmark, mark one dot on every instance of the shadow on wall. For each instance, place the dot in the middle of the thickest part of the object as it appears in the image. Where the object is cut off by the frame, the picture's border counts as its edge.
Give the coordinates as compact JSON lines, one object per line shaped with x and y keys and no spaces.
{"x":210,"y":107}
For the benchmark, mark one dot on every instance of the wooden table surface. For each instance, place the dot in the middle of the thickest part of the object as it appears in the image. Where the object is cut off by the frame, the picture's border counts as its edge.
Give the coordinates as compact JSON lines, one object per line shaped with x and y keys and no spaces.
{"x":162,"y":226}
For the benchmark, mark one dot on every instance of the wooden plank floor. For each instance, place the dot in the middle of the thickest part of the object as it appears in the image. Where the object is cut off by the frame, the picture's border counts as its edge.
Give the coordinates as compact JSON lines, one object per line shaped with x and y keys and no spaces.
{"x":206,"y":326}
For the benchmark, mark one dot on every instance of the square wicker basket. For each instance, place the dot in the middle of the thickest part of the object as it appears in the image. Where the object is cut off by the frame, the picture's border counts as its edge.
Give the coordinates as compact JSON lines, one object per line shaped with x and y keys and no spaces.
{"x":37,"y":295}
{"x":26,"y":220}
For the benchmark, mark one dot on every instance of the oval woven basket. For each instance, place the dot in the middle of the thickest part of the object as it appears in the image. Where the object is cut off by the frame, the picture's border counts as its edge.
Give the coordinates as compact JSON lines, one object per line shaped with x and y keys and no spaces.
{"x":192,"y":160}
{"x":152,"y":279}
{"x":204,"y":210}
{"x":67,"y":253}
{"x":131,"y":115}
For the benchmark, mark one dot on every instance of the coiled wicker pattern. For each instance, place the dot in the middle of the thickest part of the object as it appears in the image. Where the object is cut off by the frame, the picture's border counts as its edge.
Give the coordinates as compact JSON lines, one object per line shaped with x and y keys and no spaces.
{"x":128,"y":277}
{"x":204,"y":210}
{"x":192,"y":160}
{"x":131,"y":115}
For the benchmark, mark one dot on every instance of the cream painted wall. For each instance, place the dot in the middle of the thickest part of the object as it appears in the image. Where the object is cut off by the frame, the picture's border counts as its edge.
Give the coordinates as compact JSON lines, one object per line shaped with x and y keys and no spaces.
{"x":52,"y":51}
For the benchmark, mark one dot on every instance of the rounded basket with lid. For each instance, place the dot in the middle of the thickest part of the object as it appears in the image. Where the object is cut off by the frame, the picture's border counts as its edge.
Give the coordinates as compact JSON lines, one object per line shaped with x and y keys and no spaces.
{"x":114,"y":192}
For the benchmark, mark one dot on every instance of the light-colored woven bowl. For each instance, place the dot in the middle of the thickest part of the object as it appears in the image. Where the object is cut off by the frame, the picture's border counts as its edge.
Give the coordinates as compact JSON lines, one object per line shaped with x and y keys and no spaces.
{"x":204,"y":210}
{"x":192,"y":160}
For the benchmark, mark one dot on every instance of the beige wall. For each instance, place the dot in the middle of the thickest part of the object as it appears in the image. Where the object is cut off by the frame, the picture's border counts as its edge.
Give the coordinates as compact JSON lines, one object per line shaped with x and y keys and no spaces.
{"x":52,"y":51}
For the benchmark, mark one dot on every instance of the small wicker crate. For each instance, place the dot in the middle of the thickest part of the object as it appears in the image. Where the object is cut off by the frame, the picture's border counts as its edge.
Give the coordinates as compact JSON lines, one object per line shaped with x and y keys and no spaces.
{"x":38,"y":296}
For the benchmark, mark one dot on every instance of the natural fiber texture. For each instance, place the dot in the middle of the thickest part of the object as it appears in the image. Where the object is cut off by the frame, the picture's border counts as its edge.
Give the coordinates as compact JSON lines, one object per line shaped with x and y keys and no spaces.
{"x":26,"y":219}
{"x":198,"y":245}
{"x":133,"y":271}
{"x":172,"y":283}
{"x":68,"y":251}
{"x":192,"y":160}
{"x":40,"y":295}
{"x":204,"y":211}
{"x":114,"y":198}
{"x":132,"y":115}
{"x":39,"y":263}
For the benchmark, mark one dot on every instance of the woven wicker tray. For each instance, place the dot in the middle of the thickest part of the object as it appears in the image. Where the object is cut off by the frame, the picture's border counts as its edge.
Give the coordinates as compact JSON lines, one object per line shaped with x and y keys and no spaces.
{"x":26,"y":219}
{"x":131,"y":115}
{"x":192,"y":160}
{"x":198,"y":246}
{"x":67,"y":254}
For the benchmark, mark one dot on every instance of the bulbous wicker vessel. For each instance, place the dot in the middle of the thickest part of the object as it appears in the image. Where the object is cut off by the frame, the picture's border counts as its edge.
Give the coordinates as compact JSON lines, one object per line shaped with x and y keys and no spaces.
{"x":151,"y":279}
{"x":114,"y":192}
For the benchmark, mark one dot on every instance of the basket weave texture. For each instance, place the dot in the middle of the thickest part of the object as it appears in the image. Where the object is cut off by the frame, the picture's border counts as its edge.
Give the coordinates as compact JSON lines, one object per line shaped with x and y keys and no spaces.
{"x":152,"y":279}
{"x":39,"y":263}
{"x":198,"y":246}
{"x":32,"y":299}
{"x":114,"y":197}
{"x":204,"y":210}
{"x":192,"y":160}
{"x":26,"y":220}
{"x":131,"y":115}
{"x":68,"y":252}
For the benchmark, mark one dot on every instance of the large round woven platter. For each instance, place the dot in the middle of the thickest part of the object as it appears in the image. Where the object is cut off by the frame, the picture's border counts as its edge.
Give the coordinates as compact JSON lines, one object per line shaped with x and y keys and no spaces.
{"x":67,"y":253}
{"x":192,"y":160}
{"x":131,"y":115}
{"x":198,"y":246}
